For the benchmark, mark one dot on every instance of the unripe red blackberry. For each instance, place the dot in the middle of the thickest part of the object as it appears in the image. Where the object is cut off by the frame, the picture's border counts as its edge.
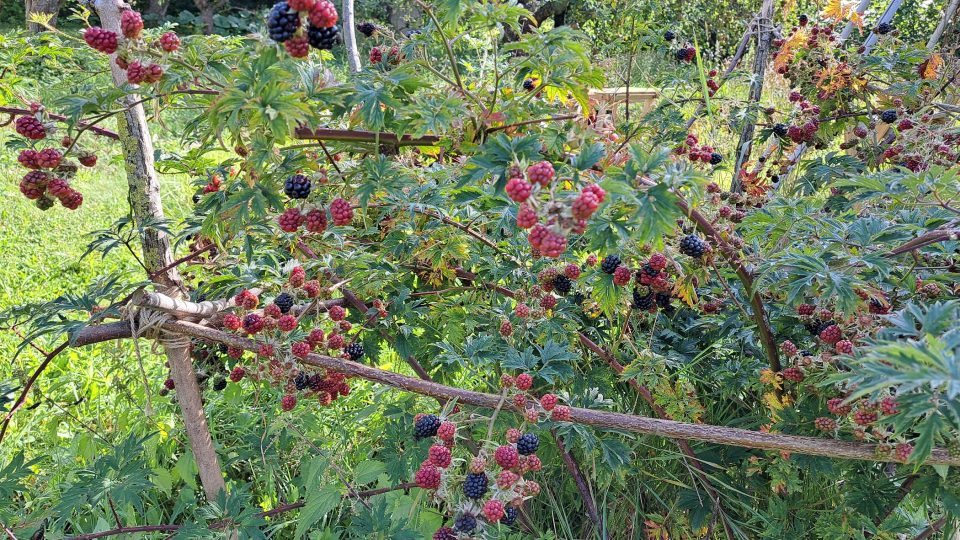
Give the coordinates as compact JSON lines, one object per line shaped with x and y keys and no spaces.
{"x":519,"y":401}
{"x":297,"y":46}
{"x":902,"y":452}
{"x":253,"y":323}
{"x":287,"y":323}
{"x":265,"y":350}
{"x":506,"y":381}
{"x":560,"y":414}
{"x":548,"y":301}
{"x":838,"y":407}
{"x":477,"y":465}
{"x":513,"y":435}
{"x":507,"y":478}
{"x":131,"y":24}
{"x":584,"y":205}
{"x":34,"y":184}
{"x":87,"y":159}
{"x":572,"y":271}
{"x":301,"y":349}
{"x":824,"y":423}
{"x":341,"y":211}
{"x":621,"y":276}
{"x":788,"y":348}
{"x":518,"y":189}
{"x":28,"y":158}
{"x":522,"y":311}
{"x":316,"y":337}
{"x":247,"y":300}
{"x":232,"y":322}
{"x":793,"y":374}
{"x":335,"y":341}
{"x":506,"y":329}
{"x":493,"y":510}
{"x":235,"y":352}
{"x":831,"y":334}
{"x":524,"y":381}
{"x":507,"y":456}
{"x":49,"y":158}
{"x":30,"y":127}
{"x":548,"y":401}
{"x":237,"y":374}
{"x":440,"y":456}
{"x":526,"y":217}
{"x":447,"y":431}
{"x":888,"y":406}
{"x":72,"y":199}
{"x":337,"y":313}
{"x":541,"y":173}
{"x":344,"y":326}
{"x":290,"y":220}
{"x":806,"y":310}
{"x":323,"y":14}
{"x":312,"y":288}
{"x":169,"y":42}
{"x":288,"y":402}
{"x":844,"y":346}
{"x":169,"y":384}
{"x":864,"y":417}
{"x":102,"y":40}
{"x":376,"y":55}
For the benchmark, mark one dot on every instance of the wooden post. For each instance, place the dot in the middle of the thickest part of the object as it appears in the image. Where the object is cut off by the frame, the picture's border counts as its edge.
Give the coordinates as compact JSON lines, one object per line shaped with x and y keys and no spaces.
{"x":145,"y":203}
{"x":764,"y":22}
{"x":948,"y":15}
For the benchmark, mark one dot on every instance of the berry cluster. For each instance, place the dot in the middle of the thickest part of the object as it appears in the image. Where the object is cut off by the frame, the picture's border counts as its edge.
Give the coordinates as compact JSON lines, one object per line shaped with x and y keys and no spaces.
{"x":282,"y":340}
{"x":536,"y":192}
{"x":130,"y":48}
{"x":49,"y":174}
{"x":301,"y":24}
{"x":315,"y":219}
{"x":392,"y":55}
{"x":695,"y":152}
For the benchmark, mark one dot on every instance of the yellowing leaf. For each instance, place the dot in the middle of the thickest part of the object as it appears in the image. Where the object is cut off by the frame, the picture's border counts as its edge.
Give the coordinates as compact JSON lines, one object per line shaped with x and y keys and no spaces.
{"x":785,"y":55}
{"x":930,"y":67}
{"x":684,"y":290}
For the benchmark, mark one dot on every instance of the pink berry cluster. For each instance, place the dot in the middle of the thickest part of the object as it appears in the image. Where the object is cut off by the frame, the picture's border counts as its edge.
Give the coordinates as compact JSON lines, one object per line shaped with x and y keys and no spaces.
{"x":865,"y":419}
{"x":315,"y":219}
{"x":281,"y":340}
{"x":49,"y":172}
{"x":695,"y":152}
{"x":805,"y":120}
{"x":546,"y":406}
{"x":392,"y":54}
{"x":537,"y":194}
{"x":130,"y":47}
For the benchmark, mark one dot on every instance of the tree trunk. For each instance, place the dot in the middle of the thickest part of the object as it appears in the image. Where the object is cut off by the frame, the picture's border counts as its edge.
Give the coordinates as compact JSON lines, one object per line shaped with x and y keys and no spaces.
{"x":48,"y":7}
{"x":158,"y":8}
{"x":764,"y":23}
{"x":145,"y":203}
{"x":948,"y":15}
{"x":350,"y":36}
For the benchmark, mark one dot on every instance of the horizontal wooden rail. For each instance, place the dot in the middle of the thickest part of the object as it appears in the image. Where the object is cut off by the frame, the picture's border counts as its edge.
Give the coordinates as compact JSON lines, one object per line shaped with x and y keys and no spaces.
{"x":350,"y":135}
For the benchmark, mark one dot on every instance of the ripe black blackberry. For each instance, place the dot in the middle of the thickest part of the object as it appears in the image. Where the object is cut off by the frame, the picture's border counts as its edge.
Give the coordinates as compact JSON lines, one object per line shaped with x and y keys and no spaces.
{"x":669,"y":35}
{"x":322,"y":38}
{"x":816,"y":326}
{"x":197,"y":198}
{"x":219,"y":384}
{"x":426,"y":426}
{"x":562,"y":284}
{"x":528,"y":84}
{"x":804,"y":19}
{"x":475,"y":486}
{"x":648,"y":270}
{"x":354,"y":351}
{"x":465,"y":523}
{"x":693,"y":246}
{"x":681,"y":55}
{"x":610,"y":263}
{"x":715,"y":158}
{"x":884,"y":28}
{"x":509,"y":516}
{"x":301,"y":381}
{"x":663,"y":302}
{"x":284,"y":301}
{"x":889,"y":116}
{"x":367,"y":28}
{"x":528,"y":443}
{"x":642,"y":302}
{"x":297,"y":186}
{"x":282,"y":22}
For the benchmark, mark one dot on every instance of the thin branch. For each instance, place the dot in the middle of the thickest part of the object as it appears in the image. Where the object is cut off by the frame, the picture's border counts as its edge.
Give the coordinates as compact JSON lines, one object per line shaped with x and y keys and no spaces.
{"x":60,"y":118}
{"x":30,"y":382}
{"x":582,"y":486}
